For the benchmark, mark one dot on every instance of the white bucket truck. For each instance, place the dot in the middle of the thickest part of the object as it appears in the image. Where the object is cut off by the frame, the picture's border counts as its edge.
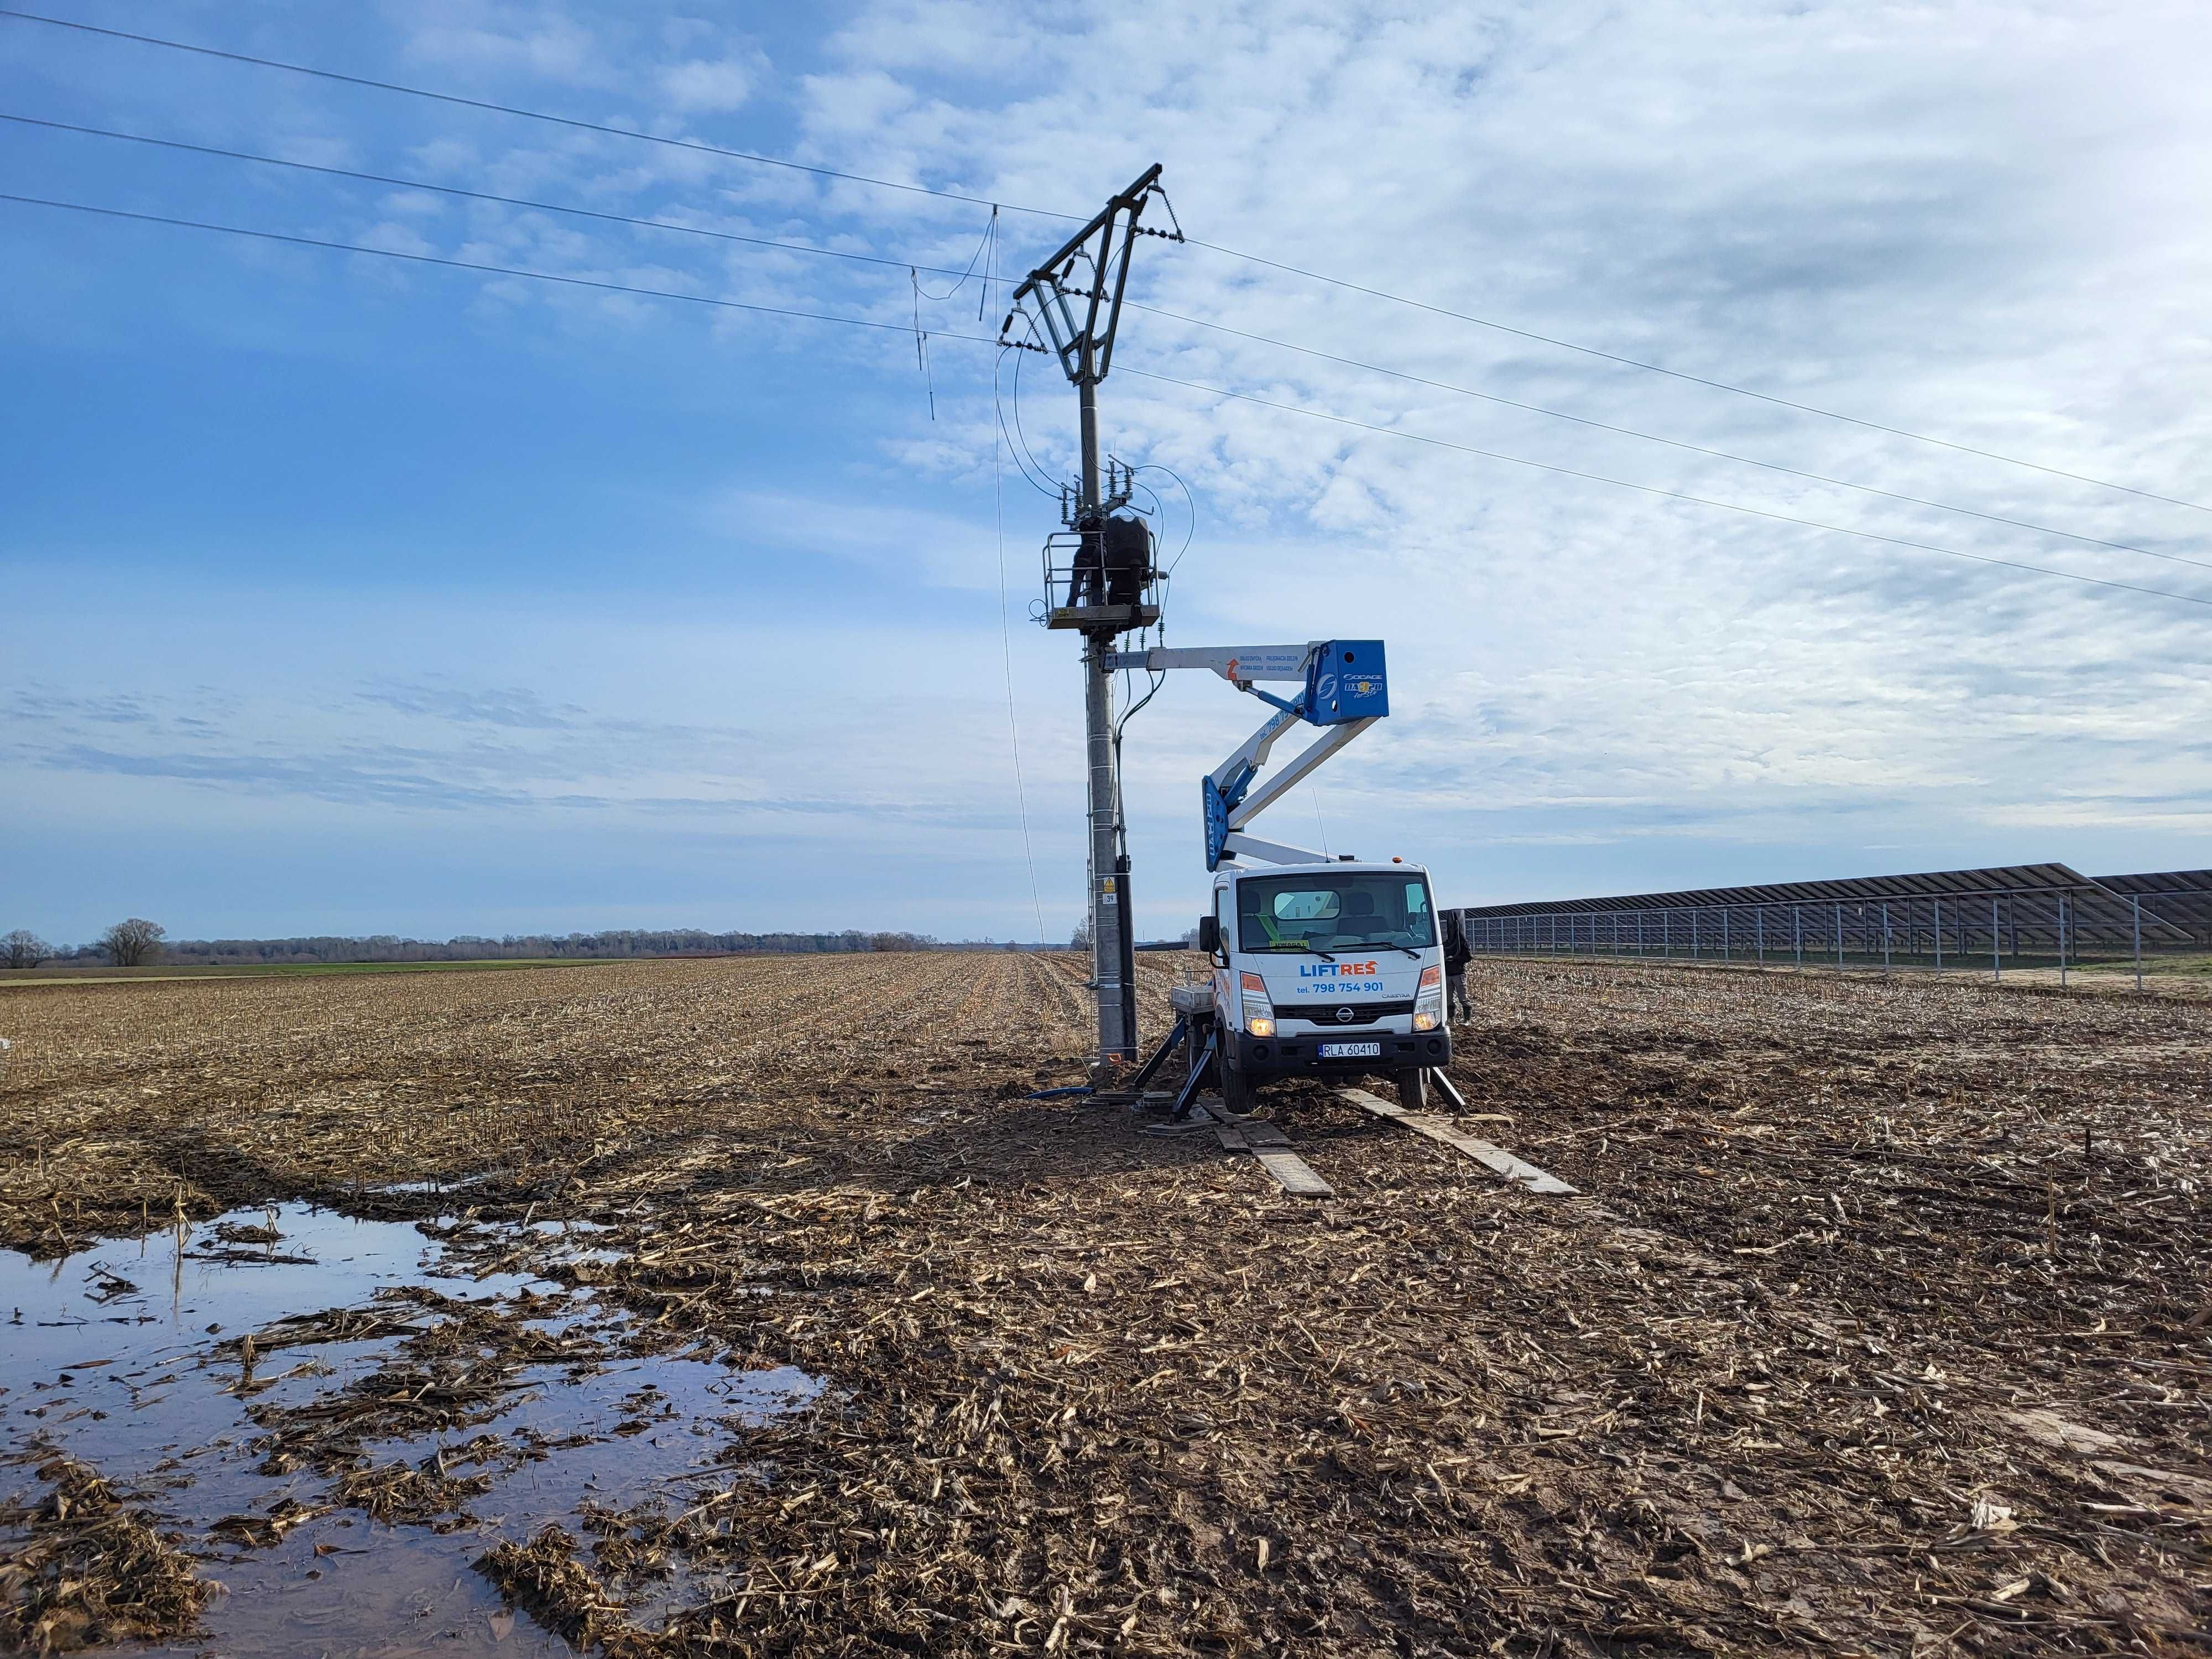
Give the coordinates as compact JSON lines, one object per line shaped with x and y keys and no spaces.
{"x":1322,"y":967}
{"x":1326,"y":969}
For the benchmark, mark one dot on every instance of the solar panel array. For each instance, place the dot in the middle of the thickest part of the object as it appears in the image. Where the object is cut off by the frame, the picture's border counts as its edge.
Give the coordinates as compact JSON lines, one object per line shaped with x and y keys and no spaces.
{"x":1983,"y":915}
{"x":2180,"y":898}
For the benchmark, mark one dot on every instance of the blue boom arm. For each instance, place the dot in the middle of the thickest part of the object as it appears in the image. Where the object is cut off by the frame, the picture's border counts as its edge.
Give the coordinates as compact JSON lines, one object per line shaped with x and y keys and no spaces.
{"x":1343,"y":688}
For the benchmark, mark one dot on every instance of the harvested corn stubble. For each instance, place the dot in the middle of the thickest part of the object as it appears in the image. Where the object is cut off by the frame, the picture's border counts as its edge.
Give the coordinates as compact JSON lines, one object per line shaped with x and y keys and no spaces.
{"x":90,"y":1570}
{"x":1878,"y":1325}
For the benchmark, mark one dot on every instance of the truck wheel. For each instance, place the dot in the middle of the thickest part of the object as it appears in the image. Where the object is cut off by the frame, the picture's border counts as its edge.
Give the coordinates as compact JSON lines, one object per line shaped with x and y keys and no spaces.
{"x":1414,"y":1090}
{"x":1236,"y":1091}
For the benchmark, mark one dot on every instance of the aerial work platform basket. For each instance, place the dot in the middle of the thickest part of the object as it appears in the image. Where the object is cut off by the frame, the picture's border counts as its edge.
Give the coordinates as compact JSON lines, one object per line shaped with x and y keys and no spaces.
{"x":1103,"y":582}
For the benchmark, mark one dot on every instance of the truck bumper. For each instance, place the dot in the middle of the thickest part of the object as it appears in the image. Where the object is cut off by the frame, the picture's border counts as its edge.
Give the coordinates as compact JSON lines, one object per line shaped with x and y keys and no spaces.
{"x":1261,"y":1058}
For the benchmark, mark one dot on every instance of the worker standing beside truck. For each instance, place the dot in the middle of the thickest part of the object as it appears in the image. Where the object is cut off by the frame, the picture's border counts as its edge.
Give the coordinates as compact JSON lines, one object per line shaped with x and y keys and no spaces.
{"x":1456,"y":956}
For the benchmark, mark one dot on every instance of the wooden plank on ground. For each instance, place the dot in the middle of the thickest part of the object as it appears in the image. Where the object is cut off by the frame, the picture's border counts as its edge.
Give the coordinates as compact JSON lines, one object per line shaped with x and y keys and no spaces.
{"x":1272,"y":1148}
{"x":1497,"y":1159}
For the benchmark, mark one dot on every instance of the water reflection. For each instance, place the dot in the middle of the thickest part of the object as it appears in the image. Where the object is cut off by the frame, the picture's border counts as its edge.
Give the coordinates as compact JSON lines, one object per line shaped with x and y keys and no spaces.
{"x":130,"y":1357}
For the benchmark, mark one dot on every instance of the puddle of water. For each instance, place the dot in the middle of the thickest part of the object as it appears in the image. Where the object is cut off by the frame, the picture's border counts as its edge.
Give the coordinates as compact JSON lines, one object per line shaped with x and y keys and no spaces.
{"x":109,"y":1355}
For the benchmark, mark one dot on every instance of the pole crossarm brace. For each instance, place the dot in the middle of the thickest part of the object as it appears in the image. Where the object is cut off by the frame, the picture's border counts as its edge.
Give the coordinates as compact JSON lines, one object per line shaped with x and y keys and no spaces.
{"x":1085,"y":350}
{"x":1345,"y":690}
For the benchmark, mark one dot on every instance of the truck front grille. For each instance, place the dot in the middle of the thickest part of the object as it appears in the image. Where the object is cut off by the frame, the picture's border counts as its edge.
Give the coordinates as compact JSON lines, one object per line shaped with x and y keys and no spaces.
{"x":1324,"y":1017}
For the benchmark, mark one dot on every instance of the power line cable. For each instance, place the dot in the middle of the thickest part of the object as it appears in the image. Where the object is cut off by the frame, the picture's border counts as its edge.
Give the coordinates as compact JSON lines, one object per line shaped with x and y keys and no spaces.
{"x":527,"y":114}
{"x":1048,"y":213}
{"x":981,"y":243}
{"x":400,"y":183}
{"x":1006,"y":650}
{"x":990,"y":261}
{"x":998,"y":405}
{"x":1694,"y":380}
{"x":1018,"y":431}
{"x":960,"y":278}
{"x":911,"y":267}
{"x":1020,"y":788}
{"x":473,"y":264}
{"x":1005,"y":627}
{"x":1672,"y":443}
{"x":1189,"y":500}
{"x":922,"y":347}
{"x":1168,"y":380}
{"x":1655,"y":490}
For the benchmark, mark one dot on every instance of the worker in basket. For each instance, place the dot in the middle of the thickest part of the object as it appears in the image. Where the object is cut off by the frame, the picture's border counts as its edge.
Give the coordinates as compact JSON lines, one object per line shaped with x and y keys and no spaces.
{"x":1457,"y":955}
{"x":1128,"y":561}
{"x":1113,"y":565}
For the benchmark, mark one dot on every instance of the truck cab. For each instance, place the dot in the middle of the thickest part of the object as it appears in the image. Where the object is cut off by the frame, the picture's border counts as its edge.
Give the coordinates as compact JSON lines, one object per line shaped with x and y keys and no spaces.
{"x":1330,"y":970}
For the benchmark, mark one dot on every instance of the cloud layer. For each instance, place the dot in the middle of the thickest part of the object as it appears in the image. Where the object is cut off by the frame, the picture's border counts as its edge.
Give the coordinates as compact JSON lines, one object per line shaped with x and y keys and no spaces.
{"x":1975,"y":222}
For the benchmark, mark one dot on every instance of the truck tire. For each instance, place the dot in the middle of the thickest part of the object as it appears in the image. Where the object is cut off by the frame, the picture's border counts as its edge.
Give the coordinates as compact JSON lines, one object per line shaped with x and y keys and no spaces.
{"x":1414,"y":1090}
{"x":1236,"y":1091}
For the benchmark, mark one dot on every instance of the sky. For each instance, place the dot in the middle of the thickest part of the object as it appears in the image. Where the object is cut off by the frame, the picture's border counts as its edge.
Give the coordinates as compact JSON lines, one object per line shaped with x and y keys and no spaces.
{"x":352,"y":594}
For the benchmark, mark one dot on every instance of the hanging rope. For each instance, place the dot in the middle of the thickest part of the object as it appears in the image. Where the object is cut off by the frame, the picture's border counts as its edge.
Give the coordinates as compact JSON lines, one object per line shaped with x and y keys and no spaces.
{"x":921,"y":342}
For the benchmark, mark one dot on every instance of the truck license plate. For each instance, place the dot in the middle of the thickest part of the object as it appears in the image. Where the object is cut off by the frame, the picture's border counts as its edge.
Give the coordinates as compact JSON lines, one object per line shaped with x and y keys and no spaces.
{"x":1352,"y":1051}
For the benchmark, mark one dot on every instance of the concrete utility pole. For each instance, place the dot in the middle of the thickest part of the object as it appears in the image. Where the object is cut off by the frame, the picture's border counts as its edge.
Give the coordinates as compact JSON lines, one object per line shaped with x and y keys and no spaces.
{"x":1090,"y":272}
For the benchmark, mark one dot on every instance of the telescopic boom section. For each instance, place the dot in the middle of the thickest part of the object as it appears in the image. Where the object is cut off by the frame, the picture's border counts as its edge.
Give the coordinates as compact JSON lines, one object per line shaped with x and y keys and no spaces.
{"x":1345,"y":689}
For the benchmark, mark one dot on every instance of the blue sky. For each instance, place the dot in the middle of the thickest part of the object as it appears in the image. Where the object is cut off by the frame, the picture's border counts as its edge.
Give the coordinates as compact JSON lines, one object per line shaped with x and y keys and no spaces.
{"x":348,"y":594}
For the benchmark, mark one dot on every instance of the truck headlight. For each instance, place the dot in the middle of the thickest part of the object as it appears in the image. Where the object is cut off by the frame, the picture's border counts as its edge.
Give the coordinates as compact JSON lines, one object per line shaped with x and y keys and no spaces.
{"x":1259,"y":1012}
{"x":1429,"y":1001}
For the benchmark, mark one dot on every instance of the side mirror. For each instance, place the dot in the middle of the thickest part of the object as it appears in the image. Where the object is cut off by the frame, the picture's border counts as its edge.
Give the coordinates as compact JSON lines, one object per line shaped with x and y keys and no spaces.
{"x":1209,"y":934}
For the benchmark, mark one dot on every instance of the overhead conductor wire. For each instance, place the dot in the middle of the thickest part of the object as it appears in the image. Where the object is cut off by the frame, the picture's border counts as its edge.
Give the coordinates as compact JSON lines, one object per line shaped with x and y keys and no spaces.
{"x":474,"y":264}
{"x":998,"y":405}
{"x":1672,"y":443}
{"x":960,"y":278}
{"x":1007,"y":651}
{"x":1695,"y":380}
{"x":568,"y":208}
{"x":922,"y":346}
{"x":1022,"y":436}
{"x":1655,"y":490}
{"x":525,"y":114}
{"x":1190,"y":502}
{"x":1167,"y":379}
{"x":758,"y":159}
{"x":915,"y":271}
{"x":1013,"y":726}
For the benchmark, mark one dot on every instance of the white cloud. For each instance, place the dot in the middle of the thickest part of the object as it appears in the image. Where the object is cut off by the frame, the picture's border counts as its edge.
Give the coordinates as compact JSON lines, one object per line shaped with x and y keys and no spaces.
{"x":499,"y":35}
{"x":1974,"y":220}
{"x":700,"y":84}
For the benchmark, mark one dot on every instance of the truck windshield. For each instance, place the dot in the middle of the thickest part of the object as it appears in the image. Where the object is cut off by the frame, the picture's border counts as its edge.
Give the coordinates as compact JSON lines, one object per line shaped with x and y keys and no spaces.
{"x":1322,"y":910}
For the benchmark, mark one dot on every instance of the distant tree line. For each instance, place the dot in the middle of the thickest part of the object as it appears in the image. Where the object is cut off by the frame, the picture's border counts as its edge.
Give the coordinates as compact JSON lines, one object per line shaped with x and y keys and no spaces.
{"x":471,"y":947}
{"x":138,"y":943}
{"x":127,"y":945}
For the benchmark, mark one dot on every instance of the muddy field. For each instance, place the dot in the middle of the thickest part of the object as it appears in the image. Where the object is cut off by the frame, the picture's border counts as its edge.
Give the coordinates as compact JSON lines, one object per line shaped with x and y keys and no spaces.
{"x":749,"y":1306}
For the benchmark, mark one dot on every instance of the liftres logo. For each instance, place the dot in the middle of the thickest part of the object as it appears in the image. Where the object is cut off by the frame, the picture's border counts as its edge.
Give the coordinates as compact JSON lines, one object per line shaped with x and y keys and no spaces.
{"x":1335,"y":969}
